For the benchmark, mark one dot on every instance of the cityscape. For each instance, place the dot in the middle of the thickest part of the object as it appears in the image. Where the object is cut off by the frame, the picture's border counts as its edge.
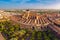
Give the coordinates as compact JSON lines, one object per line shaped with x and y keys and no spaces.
{"x":29,"y":19}
{"x":29,"y":25}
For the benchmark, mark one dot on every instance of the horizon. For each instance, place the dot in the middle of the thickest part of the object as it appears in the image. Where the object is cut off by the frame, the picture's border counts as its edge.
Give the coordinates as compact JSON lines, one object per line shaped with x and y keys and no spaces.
{"x":29,"y":4}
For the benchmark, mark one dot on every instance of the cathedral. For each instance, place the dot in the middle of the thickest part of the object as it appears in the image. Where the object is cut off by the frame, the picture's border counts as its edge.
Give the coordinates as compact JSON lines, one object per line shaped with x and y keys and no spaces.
{"x":35,"y":21}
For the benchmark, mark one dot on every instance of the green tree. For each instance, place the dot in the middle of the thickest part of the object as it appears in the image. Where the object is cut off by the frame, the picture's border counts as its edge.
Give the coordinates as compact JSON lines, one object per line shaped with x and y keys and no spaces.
{"x":39,"y":35}
{"x":22,"y":32}
{"x":1,"y":27}
{"x":13,"y":39}
{"x":33,"y":35}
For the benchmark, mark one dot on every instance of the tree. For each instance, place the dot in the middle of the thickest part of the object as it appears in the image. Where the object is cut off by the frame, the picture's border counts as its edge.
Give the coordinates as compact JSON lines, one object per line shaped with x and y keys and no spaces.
{"x":21,"y":33}
{"x":13,"y":39}
{"x":17,"y":27}
{"x":45,"y":36}
{"x":33,"y":35}
{"x":1,"y":27}
{"x":39,"y":35}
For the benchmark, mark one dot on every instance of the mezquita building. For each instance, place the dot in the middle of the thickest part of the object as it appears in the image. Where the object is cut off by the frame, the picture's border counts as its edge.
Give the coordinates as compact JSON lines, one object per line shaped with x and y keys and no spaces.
{"x":33,"y":20}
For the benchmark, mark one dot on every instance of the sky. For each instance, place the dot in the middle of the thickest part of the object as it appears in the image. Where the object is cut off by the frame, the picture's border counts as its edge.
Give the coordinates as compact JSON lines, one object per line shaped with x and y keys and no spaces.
{"x":29,"y":4}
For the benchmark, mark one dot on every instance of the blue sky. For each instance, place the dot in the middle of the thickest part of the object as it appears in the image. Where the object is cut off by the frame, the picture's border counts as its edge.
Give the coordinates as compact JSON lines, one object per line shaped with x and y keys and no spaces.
{"x":31,"y":4}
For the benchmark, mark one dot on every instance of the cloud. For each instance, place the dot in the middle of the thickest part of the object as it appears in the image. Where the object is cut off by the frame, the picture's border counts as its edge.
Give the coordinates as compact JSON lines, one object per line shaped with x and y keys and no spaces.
{"x":11,"y":1}
{"x":55,"y":6}
{"x":32,"y":4}
{"x":32,"y":1}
